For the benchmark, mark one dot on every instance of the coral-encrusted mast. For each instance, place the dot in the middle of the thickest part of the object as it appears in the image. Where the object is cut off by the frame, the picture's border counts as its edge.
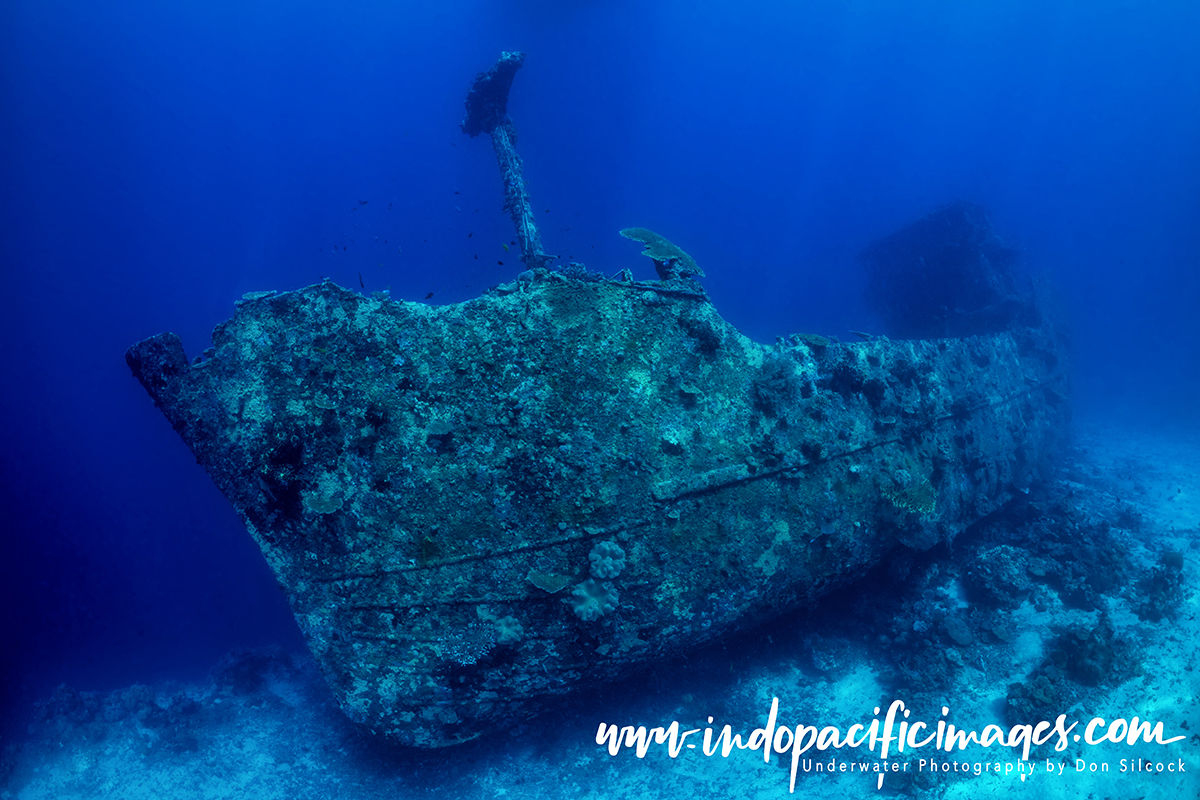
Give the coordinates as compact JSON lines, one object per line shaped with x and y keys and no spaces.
{"x":487,"y":105}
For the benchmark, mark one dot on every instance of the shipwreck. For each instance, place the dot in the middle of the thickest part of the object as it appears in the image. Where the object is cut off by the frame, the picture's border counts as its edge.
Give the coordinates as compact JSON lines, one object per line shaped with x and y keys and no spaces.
{"x":478,"y":509}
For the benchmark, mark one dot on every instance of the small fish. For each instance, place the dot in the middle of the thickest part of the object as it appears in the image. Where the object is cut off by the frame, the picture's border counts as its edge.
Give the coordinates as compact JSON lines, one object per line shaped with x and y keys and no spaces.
{"x":360,"y":282}
{"x":501,"y":263}
{"x":456,"y":191}
{"x":363,"y":202}
{"x":547,"y":211}
{"x":477,"y":256}
{"x":469,"y":235}
{"x":504,"y":246}
{"x":428,"y":296}
{"x":343,"y":248}
{"x":399,"y":249}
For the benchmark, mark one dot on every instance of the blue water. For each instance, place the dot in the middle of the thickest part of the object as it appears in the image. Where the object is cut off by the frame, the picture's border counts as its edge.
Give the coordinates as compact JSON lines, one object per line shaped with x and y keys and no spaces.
{"x":160,"y":159}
